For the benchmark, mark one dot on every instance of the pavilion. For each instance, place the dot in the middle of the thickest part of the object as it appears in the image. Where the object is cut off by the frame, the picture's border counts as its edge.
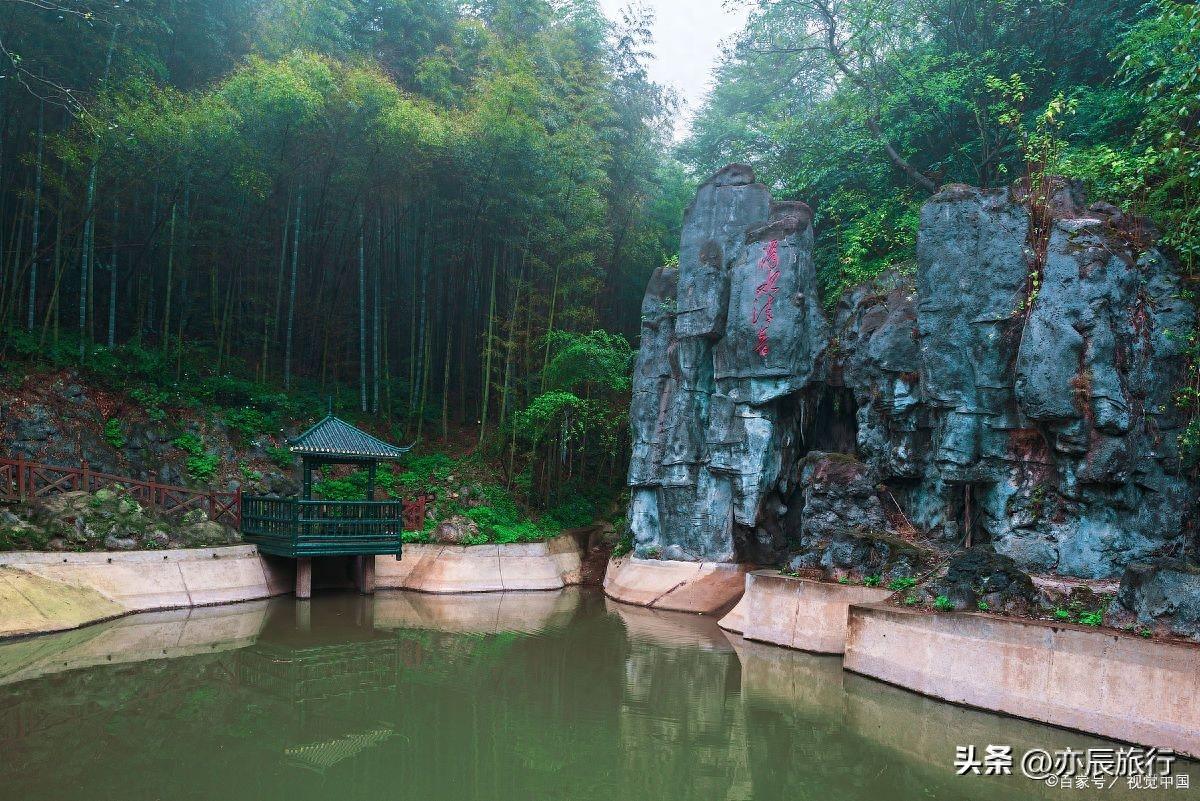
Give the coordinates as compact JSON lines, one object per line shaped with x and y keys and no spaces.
{"x":303,"y":528}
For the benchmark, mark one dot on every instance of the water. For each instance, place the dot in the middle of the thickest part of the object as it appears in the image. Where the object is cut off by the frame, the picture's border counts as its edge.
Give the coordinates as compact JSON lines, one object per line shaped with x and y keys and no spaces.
{"x":488,"y":697}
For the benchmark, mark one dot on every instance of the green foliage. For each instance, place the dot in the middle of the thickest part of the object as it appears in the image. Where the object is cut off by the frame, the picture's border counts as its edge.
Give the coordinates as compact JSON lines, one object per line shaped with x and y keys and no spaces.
{"x":424,"y":471}
{"x":983,"y":606}
{"x":601,"y":358}
{"x":201,"y":466}
{"x":943,"y":604}
{"x":624,"y":543}
{"x":1092,"y":618}
{"x":901,"y":583}
{"x":916,"y":77}
{"x":575,"y":511}
{"x":248,"y":422}
{"x":1062,"y":614}
{"x":114,"y":433}
{"x":872,"y":581}
{"x":190,"y":443}
{"x":282,"y":458}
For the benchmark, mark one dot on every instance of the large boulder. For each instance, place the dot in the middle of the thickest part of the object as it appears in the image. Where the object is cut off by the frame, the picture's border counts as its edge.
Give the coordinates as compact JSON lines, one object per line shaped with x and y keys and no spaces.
{"x":981,"y":578}
{"x":1163,"y":592}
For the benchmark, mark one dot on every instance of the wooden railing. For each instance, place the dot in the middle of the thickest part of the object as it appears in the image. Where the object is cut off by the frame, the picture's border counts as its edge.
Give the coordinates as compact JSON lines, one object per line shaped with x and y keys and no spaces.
{"x":22,"y":480}
{"x":293,"y":527}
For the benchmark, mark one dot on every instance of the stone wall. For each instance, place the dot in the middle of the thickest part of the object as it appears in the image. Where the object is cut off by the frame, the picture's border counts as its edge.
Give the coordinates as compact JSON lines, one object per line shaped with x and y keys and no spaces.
{"x":992,"y":393}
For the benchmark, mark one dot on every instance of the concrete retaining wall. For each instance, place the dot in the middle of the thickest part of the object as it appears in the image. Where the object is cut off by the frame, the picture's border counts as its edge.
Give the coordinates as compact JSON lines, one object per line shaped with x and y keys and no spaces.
{"x":42,"y":592}
{"x":798,"y":613}
{"x":705,"y":587}
{"x":1107,"y":683}
{"x":549,"y":565}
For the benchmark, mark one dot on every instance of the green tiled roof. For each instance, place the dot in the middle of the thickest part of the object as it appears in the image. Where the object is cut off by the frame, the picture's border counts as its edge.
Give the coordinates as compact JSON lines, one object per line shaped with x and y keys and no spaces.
{"x":334,"y":437}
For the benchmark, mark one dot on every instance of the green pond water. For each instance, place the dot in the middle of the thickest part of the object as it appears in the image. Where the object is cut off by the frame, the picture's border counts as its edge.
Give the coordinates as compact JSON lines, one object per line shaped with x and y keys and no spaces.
{"x":500,"y":696}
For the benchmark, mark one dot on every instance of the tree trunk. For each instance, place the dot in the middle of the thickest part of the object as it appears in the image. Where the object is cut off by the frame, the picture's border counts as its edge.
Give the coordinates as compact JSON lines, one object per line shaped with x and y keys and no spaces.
{"x":112,"y":280}
{"x":37,"y":217}
{"x":487,"y":364}
{"x":291,"y":318}
{"x":362,"y":316}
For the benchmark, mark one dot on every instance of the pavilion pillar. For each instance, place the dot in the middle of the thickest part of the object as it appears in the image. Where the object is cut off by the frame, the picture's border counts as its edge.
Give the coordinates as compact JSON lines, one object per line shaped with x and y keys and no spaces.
{"x":365,"y":572}
{"x":303,"y":578}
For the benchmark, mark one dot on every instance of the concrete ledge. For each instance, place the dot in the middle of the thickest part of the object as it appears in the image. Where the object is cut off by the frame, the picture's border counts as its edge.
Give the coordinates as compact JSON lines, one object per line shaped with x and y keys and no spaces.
{"x":705,"y":587}
{"x":1102,"y":682}
{"x":800,"y":613}
{"x":549,"y":565}
{"x":43,"y":592}
{"x":735,"y":619}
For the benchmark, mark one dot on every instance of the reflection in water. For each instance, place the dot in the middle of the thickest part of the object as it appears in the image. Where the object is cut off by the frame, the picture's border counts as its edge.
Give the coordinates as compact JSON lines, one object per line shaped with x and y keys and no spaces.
{"x":513,"y":696}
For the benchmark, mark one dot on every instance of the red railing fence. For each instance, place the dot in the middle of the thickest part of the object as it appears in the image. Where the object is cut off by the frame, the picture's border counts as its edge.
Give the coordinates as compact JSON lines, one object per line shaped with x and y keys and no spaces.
{"x":21,"y":480}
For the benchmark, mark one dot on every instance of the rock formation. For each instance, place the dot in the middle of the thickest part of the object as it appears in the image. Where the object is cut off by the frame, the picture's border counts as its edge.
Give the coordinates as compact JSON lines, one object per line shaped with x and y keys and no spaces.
{"x":1010,"y":390}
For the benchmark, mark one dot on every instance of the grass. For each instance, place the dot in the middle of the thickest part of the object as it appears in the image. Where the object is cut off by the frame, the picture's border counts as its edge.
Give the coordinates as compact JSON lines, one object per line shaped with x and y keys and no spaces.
{"x":114,"y":434}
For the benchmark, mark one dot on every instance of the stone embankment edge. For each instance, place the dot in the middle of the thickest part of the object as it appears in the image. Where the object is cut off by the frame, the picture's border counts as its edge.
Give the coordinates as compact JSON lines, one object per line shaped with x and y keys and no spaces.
{"x":1106,"y":683}
{"x":1101,"y":682}
{"x":704,"y":587}
{"x":45,"y":592}
{"x":444,"y":569}
{"x":797,"y":612}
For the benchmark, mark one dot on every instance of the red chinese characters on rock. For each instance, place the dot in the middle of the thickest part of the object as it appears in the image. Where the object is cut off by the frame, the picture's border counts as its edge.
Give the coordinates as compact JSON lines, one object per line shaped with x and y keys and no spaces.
{"x":764,"y":296}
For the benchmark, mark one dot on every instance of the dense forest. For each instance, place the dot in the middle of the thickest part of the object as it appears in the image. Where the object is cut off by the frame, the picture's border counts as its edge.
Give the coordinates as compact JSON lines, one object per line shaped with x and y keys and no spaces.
{"x":864,"y":108}
{"x":444,"y":213}
{"x":435,"y":210}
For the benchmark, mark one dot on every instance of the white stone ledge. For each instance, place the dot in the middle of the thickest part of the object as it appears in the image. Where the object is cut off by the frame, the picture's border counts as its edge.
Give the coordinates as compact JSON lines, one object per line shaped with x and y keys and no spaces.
{"x":1108,"y":683}
{"x":796,"y":612}
{"x":549,"y":565}
{"x":43,"y":592}
{"x":705,"y":587}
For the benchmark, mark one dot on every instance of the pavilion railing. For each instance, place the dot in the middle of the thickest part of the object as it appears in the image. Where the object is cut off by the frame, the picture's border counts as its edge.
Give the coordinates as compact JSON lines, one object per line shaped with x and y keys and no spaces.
{"x":321,"y":525}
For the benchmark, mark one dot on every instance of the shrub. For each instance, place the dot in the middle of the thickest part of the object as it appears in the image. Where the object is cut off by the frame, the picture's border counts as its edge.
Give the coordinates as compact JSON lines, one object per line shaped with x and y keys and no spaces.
{"x":281,"y":457}
{"x":1062,"y":614}
{"x":1092,"y":618}
{"x":203,"y":468}
{"x":872,"y":581}
{"x":248,"y":422}
{"x":114,"y":433}
{"x":190,"y":443}
{"x":983,"y":606}
{"x":624,"y":544}
{"x":575,"y":512}
{"x":901,"y":583}
{"x":943,"y":604}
